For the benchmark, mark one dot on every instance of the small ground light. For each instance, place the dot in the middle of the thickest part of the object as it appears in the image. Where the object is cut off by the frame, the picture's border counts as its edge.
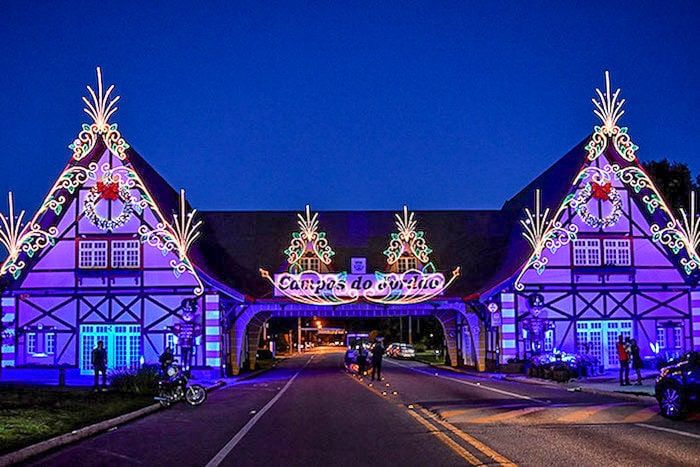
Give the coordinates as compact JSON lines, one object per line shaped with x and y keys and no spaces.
{"x":410,"y":406}
{"x":395,"y":392}
{"x":383,"y":393}
{"x":370,"y":385}
{"x":387,"y":384}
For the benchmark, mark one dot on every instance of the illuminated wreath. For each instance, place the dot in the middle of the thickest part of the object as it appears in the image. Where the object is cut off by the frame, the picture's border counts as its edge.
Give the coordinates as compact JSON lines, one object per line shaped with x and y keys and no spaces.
{"x":602,"y":192}
{"x":110,"y":189}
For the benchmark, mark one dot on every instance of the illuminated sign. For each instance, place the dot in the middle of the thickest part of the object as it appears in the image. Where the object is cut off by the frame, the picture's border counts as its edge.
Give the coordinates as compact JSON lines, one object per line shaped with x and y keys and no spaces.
{"x":340,"y":288}
{"x":419,"y":282}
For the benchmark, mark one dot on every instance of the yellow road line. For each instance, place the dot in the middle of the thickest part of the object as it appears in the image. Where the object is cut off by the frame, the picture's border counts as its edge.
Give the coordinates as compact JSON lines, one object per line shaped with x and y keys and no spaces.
{"x":456,"y":448}
{"x":459,"y":450}
{"x":470,"y":439}
{"x":507,"y":415}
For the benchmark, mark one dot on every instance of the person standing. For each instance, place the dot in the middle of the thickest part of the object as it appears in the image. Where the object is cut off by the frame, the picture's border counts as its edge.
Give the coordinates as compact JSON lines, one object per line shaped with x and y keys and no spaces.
{"x":377,"y":355}
{"x":361,"y":359}
{"x":624,"y":358}
{"x":166,"y":359}
{"x":637,"y":363}
{"x":99,"y":364}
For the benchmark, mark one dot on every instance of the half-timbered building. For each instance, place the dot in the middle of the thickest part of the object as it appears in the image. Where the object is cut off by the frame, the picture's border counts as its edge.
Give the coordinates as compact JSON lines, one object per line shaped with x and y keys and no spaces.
{"x":586,"y":252}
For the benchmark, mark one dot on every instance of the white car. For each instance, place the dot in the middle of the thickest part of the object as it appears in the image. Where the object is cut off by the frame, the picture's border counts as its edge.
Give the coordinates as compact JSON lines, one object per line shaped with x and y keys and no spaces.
{"x":402,"y":351}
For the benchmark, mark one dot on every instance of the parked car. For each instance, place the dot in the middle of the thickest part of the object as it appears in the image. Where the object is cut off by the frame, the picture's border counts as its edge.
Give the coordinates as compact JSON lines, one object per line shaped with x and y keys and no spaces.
{"x":401,"y":351}
{"x":391,"y":348}
{"x":678,"y":386}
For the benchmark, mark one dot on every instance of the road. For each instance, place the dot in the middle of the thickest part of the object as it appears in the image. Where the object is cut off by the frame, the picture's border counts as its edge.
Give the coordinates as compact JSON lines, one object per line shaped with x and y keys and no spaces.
{"x":308,"y":411}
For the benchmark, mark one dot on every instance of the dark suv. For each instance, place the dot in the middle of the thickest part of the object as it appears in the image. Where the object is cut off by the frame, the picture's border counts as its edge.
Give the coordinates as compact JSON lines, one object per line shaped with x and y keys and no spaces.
{"x":678,"y":386}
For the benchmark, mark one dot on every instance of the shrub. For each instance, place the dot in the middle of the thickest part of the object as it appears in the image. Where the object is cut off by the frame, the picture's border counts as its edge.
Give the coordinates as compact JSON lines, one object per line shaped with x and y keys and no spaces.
{"x":420,"y":347}
{"x":141,"y":381}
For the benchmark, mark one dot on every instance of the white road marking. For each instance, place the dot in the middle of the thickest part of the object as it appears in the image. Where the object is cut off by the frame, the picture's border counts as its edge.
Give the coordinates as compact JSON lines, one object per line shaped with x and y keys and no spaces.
{"x":226,"y":450}
{"x":669,"y":430}
{"x":469,"y":383}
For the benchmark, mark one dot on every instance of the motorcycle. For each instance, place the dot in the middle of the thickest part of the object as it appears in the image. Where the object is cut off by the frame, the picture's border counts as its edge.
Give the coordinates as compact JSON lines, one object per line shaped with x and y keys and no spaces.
{"x":173,"y":388}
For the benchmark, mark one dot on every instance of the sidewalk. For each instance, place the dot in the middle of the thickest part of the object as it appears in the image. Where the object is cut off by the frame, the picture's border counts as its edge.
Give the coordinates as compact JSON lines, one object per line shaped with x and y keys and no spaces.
{"x":605,"y":384}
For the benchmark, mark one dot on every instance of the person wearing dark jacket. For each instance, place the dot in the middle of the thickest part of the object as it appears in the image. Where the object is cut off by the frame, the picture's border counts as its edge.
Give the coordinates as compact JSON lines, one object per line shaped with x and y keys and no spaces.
{"x":637,"y":362}
{"x":166,"y":359}
{"x":99,"y":364}
{"x":377,"y":355}
{"x":361,"y":360}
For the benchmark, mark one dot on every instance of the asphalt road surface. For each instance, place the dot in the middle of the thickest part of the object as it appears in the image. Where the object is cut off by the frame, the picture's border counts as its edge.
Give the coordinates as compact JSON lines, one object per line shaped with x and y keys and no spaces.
{"x":308,"y":411}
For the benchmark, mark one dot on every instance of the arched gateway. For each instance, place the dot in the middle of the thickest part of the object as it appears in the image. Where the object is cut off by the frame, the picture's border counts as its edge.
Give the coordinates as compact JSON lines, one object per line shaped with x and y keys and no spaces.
{"x":114,"y":253}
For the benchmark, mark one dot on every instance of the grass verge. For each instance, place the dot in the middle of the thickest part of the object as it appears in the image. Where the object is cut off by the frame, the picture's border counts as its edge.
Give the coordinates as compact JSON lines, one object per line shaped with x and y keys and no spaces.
{"x":29,"y":414}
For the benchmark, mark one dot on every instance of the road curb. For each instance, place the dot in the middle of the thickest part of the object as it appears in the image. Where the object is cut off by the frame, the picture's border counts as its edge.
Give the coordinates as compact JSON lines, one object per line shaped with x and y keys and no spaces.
{"x":85,"y":432}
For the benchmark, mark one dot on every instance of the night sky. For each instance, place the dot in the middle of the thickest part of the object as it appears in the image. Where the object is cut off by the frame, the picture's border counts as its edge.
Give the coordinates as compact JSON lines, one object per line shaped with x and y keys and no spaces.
{"x":344,"y":105}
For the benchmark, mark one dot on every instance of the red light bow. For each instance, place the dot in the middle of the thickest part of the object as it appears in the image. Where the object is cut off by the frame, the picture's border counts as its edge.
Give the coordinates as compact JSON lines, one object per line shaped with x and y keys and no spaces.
{"x":108,"y":191}
{"x":601,"y":192}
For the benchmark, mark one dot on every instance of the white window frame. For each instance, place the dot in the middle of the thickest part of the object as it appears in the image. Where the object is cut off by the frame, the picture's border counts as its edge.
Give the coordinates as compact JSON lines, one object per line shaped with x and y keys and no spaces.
{"x":30,"y":342}
{"x":310,"y":263}
{"x":587,"y":252}
{"x":406,"y":263}
{"x":618,"y":252}
{"x":87,"y":253}
{"x":50,"y":343}
{"x":125,"y":254}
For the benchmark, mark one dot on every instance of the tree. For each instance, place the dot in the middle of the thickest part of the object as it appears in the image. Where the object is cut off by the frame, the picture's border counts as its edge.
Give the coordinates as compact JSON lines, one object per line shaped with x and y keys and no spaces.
{"x":674,"y":180}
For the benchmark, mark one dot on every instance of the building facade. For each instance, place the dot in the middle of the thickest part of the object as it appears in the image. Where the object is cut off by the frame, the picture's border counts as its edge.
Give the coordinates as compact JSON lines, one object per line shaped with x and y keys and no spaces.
{"x":585,"y":253}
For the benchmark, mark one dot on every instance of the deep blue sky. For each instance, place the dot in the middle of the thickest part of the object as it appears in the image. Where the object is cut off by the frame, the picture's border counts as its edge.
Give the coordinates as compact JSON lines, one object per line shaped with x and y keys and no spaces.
{"x":346,"y":105}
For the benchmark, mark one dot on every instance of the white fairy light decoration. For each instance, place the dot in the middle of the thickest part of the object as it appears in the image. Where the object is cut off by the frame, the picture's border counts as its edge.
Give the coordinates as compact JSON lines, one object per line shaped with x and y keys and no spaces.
{"x":100,"y":108}
{"x":608,"y":108}
{"x":177,"y":237}
{"x":407,"y":240}
{"x":308,"y":240}
{"x":542,"y":232}
{"x":18,"y":238}
{"x":681,"y":235}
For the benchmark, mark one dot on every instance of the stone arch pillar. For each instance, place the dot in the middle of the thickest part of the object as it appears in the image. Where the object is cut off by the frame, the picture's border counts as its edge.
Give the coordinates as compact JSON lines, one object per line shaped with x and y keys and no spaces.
{"x":448,"y":320}
{"x":253,"y":334}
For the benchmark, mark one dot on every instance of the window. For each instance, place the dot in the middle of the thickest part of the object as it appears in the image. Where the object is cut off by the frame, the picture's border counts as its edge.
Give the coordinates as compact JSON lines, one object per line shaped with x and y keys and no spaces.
{"x":661,"y":337}
{"x":617,"y":252}
{"x":310,"y":263}
{"x":587,"y":252}
{"x":171,"y":341}
{"x":126,"y":254}
{"x":122,"y":342}
{"x":677,"y":337}
{"x":31,"y":342}
{"x":549,"y":340}
{"x":406,"y":263}
{"x":92,"y":254}
{"x":50,"y":343}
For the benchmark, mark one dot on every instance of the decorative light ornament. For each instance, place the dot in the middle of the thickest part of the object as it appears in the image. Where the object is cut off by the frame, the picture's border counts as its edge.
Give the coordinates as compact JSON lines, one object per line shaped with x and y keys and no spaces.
{"x":542,"y":232}
{"x":609,"y":110}
{"x":110,"y":188}
{"x":599,"y":188}
{"x":100,"y":108}
{"x":308,"y":239}
{"x":428,"y":285}
{"x":682,"y":235}
{"x":18,"y":238}
{"x":314,"y":288}
{"x":177,"y":237}
{"x":408,"y":240}
{"x":332,"y":289}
